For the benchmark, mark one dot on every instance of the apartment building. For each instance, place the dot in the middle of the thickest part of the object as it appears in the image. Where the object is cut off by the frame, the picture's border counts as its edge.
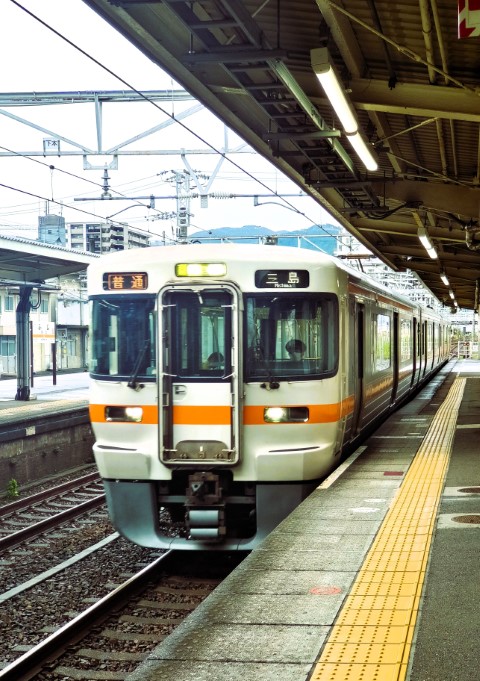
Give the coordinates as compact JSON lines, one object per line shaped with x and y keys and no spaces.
{"x":103,"y":237}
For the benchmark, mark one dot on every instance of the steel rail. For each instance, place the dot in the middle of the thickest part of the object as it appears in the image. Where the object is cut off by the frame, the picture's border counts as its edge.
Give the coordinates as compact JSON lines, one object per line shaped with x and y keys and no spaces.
{"x":32,"y":662}
{"x":32,"y":531}
{"x":19,"y":504}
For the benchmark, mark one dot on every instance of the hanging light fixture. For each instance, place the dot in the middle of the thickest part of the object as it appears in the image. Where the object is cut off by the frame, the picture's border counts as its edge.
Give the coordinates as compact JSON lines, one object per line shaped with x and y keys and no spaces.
{"x":424,"y":238}
{"x":327,"y":76}
{"x":426,"y":243}
{"x":444,"y":278}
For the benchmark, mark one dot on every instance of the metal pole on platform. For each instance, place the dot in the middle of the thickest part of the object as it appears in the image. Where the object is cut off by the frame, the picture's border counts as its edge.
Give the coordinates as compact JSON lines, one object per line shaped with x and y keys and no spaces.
{"x":32,"y":380}
{"x":474,"y":344}
{"x":54,"y":363}
{"x":23,"y":344}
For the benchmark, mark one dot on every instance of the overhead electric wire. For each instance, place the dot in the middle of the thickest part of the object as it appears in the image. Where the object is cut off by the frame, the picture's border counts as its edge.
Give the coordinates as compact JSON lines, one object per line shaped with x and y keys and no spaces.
{"x":77,"y":177}
{"x":80,"y":210}
{"x":166,"y":113}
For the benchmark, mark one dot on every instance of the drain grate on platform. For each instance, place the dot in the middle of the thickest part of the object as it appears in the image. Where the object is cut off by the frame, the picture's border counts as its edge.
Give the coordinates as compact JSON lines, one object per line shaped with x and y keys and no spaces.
{"x":472,"y":519}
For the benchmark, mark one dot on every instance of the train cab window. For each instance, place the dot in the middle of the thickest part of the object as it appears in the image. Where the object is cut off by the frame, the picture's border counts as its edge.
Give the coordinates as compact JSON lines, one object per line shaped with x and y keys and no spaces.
{"x":122,"y":336}
{"x":291,"y":336}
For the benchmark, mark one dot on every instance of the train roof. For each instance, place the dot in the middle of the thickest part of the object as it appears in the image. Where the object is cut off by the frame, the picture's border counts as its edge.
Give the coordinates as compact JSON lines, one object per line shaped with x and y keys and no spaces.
{"x":213,"y":251}
{"x":262,"y":253}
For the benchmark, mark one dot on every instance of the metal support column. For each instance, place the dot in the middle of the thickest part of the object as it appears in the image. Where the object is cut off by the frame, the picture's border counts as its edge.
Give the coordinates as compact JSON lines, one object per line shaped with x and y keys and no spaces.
{"x":23,"y":343}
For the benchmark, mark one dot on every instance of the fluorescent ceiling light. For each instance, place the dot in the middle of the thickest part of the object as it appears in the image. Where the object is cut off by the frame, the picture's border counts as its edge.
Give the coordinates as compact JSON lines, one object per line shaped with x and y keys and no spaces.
{"x":332,"y":87}
{"x":444,"y":278}
{"x":306,"y":104}
{"x":426,"y":243}
{"x":451,"y":294}
{"x":363,"y":152}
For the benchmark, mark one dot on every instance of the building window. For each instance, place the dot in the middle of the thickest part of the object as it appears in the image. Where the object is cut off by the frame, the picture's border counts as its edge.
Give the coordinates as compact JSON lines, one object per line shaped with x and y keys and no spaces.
{"x":7,"y":346}
{"x":9,"y":303}
{"x":44,"y":305}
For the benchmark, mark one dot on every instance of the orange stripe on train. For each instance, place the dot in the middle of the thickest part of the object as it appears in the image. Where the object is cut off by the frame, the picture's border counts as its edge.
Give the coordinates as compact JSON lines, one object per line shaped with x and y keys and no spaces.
{"x":150,"y":413}
{"x":318,"y":413}
{"x":202,"y":416}
{"x":221,"y":415}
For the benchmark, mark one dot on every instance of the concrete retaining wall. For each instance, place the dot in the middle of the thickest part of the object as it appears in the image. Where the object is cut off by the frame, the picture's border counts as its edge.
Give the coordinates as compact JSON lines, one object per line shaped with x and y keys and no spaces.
{"x":39,"y":447}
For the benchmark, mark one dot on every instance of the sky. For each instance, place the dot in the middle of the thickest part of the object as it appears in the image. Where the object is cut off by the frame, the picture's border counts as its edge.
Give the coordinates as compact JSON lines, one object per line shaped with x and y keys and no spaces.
{"x":40,"y":60}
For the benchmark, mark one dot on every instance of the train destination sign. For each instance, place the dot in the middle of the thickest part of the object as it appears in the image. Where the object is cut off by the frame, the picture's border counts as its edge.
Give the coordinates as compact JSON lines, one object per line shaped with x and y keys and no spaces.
{"x":125,"y":281}
{"x":282,"y":279}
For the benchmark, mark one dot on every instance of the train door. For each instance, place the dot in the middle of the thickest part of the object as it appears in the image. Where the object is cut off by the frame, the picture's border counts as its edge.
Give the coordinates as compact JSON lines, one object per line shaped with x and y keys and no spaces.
{"x":421,"y":349}
{"x":425,"y":347}
{"x":415,"y":351}
{"x":395,"y":358}
{"x":199,"y":367}
{"x":359,"y":357}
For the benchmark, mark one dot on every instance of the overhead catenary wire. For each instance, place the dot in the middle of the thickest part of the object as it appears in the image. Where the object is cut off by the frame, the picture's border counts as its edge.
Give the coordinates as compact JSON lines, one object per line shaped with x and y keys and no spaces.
{"x":223,"y":154}
{"x":70,"y":174}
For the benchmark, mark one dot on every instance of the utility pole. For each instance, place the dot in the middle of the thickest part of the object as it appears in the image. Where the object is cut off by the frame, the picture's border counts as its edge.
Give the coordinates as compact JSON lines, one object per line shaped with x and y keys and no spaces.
{"x":182,"y":183}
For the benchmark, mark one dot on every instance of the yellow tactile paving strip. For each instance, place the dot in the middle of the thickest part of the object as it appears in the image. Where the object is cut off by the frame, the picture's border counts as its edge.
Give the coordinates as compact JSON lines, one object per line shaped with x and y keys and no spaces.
{"x":372,"y":637}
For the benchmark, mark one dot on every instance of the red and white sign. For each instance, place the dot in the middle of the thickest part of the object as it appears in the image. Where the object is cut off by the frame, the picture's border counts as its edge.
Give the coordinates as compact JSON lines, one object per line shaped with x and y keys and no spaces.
{"x":468,"y":18}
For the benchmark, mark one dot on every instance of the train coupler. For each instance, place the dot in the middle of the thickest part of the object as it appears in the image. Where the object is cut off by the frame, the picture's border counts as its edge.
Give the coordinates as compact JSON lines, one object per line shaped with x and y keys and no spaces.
{"x":205,"y":510}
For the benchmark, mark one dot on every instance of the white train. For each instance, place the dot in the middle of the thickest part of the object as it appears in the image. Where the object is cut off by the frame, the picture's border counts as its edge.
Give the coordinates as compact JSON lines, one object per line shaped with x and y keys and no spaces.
{"x":227,"y":380}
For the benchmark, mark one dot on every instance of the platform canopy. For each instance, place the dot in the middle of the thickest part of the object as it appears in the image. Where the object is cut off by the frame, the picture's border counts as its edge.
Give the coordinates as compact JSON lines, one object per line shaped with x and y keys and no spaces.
{"x":408,"y":71}
{"x":31,"y":263}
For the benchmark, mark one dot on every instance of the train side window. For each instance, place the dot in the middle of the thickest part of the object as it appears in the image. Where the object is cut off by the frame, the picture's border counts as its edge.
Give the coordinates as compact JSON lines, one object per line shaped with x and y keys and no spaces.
{"x":382,"y":341}
{"x":429,"y":349}
{"x":406,"y":340}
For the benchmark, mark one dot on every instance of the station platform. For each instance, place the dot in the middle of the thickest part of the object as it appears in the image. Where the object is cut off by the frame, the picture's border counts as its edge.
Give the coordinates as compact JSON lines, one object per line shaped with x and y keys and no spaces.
{"x":68,"y":393}
{"x":68,"y":386}
{"x":39,"y":435}
{"x":375,"y":577}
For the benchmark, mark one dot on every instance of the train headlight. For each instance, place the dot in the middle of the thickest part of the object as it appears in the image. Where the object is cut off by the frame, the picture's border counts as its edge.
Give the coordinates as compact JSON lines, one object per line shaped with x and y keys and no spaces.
{"x":124,"y":414}
{"x":286,"y":414}
{"x":200,"y":269}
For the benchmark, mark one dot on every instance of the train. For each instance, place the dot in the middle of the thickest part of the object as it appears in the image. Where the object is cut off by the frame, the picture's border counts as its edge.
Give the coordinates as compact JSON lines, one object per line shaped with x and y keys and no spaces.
{"x":227,"y":380}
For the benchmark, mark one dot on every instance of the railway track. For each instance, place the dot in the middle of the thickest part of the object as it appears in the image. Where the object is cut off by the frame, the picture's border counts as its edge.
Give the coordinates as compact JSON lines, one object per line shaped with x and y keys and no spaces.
{"x":32,"y":662}
{"x":40,"y":531}
{"x":85,"y":594}
{"x":27,"y":518}
{"x":116,"y":632}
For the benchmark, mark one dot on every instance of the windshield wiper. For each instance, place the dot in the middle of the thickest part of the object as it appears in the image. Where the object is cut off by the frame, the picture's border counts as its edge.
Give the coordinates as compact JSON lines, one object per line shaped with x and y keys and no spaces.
{"x":132,"y":381}
{"x":271,"y":383}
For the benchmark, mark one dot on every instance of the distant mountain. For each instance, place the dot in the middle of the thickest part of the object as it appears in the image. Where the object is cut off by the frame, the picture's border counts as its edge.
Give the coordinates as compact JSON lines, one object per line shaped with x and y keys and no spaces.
{"x":316,"y":237}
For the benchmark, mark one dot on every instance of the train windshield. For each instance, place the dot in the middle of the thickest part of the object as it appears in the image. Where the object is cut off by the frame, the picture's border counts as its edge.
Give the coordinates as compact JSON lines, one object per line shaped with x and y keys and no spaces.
{"x":291,"y":336}
{"x":122,"y":336}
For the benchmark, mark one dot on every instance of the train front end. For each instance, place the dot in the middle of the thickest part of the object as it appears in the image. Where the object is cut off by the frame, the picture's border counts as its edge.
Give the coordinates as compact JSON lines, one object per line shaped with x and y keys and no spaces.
{"x":207,"y":419}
